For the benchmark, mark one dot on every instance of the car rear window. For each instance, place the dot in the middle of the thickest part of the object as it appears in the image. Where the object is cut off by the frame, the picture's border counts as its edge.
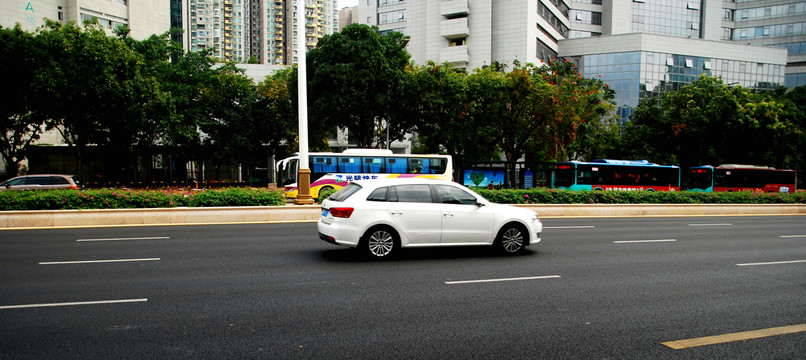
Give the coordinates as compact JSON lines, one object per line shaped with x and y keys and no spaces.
{"x":58,"y":180}
{"x":345,"y":192}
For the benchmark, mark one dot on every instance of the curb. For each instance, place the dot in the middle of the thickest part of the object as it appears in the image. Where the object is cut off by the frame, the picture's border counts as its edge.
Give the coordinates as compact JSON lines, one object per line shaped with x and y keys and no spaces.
{"x":37,"y":219}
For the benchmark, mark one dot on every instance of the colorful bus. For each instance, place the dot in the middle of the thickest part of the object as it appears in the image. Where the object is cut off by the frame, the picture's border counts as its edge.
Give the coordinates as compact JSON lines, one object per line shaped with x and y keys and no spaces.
{"x":735,"y":177}
{"x":606,"y":174}
{"x":334,"y":170}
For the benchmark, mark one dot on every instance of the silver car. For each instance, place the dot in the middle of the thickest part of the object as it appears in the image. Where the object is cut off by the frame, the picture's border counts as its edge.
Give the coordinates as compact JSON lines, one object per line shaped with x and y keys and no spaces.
{"x":382,"y":216}
{"x":41,"y":182}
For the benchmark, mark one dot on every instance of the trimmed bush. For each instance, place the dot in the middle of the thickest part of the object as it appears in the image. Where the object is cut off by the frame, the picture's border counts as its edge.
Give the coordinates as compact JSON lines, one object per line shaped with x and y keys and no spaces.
{"x":128,"y":199}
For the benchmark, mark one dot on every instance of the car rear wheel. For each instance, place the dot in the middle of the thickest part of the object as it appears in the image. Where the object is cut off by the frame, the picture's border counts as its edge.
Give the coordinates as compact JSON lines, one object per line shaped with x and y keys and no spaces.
{"x":512,"y":238}
{"x":380,"y":242}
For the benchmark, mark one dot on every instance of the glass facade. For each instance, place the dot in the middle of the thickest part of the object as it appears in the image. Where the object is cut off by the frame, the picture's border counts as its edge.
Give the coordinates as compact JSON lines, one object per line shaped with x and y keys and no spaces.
{"x":644,"y":74}
{"x":680,"y":18}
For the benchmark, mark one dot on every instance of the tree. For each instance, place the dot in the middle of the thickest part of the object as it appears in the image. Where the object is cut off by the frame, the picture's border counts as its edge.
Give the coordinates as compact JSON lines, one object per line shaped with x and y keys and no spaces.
{"x":94,"y":91}
{"x":574,"y":114}
{"x":22,"y":123}
{"x":443,"y":100}
{"x":355,"y":77}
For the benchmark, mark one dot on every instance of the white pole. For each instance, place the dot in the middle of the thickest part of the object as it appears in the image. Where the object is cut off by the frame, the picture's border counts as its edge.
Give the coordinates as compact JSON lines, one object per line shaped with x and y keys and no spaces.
{"x":303,"y":179}
{"x":303,"y":85}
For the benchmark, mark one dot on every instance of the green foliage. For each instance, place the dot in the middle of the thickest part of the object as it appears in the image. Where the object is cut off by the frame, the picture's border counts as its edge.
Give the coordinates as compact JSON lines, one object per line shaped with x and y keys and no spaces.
{"x":355,"y":77}
{"x":552,"y":196}
{"x":325,"y":194}
{"x":127,"y":199}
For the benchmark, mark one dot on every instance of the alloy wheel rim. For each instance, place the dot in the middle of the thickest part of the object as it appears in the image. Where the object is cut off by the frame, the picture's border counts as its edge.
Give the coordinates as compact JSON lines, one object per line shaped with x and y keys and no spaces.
{"x":512,"y":240}
{"x":380,"y":243}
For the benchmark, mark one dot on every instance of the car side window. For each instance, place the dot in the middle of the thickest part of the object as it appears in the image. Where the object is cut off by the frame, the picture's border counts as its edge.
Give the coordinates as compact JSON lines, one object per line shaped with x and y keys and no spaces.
{"x":379,"y":194}
{"x":58,"y":180}
{"x":17,"y":181}
{"x":38,"y":180}
{"x":452,"y":195}
{"x":413,"y":193}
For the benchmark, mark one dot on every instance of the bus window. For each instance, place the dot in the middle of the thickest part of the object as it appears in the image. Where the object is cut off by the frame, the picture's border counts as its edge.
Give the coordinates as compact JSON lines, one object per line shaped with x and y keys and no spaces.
{"x":324,"y":164}
{"x":585,"y":174}
{"x":373,"y":165}
{"x":350,"y":164}
{"x":437,"y":166}
{"x":396,"y":165}
{"x":415,"y":166}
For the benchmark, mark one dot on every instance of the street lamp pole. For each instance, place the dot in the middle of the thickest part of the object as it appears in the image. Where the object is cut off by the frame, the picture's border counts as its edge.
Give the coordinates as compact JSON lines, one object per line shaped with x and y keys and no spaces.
{"x":304,"y":177}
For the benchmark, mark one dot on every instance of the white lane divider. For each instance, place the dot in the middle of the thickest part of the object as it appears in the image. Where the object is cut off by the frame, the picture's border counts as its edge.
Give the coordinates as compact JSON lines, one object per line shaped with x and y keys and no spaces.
{"x":773,"y":263}
{"x":96,"y":261}
{"x":643,"y":241}
{"x":126,"y":239}
{"x":77,"y":303}
{"x":503,"y":279}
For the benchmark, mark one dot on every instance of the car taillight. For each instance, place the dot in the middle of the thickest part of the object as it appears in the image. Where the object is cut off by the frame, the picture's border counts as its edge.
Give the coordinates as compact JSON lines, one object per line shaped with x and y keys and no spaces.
{"x":341,"y":212}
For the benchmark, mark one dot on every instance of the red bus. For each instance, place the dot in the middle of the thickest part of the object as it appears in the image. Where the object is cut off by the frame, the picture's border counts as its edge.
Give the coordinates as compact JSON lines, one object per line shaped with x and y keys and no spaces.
{"x":735,"y":177}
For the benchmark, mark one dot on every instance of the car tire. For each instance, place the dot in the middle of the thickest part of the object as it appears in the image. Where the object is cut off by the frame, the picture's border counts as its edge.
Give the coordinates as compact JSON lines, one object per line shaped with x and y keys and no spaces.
{"x":512,"y":239}
{"x":380,"y":242}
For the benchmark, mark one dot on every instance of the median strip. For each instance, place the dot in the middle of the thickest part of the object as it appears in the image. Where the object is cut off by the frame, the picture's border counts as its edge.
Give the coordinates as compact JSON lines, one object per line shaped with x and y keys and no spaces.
{"x":77,"y":303}
{"x":793,"y":236}
{"x":501,"y":280}
{"x":96,"y":261}
{"x":720,"y":224}
{"x":739,"y":336}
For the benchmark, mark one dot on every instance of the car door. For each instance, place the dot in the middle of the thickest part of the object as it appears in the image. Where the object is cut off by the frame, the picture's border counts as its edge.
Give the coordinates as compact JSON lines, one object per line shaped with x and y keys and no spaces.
{"x":463,"y":220}
{"x":411,"y":208}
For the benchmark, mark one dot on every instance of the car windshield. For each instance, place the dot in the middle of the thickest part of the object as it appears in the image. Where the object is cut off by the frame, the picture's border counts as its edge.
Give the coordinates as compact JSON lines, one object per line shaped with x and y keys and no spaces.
{"x":345,"y":192}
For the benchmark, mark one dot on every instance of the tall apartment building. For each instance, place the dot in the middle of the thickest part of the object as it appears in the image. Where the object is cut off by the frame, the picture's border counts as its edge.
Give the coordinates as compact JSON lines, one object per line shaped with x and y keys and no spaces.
{"x":237,"y":30}
{"x":143,"y":17}
{"x":220,"y":26}
{"x":640,"y":47}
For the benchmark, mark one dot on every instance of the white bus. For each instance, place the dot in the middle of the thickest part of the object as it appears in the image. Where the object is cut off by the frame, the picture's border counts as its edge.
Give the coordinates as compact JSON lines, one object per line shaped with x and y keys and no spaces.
{"x":334,"y":170}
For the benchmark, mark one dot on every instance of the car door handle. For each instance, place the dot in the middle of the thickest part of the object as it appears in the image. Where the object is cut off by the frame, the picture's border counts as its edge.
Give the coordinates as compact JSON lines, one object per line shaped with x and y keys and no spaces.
{"x":396,"y":212}
{"x":447,"y":214}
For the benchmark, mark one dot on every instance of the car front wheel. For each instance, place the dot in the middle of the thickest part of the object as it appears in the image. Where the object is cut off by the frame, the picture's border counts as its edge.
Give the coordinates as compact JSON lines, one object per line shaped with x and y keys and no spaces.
{"x":380,"y":242}
{"x":512,"y":238}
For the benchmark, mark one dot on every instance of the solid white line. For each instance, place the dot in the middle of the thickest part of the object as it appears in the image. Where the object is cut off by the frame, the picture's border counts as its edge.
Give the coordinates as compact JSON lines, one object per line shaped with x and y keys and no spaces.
{"x":569,"y":227}
{"x":504,"y":279}
{"x":95,"y":261}
{"x":773,"y":263}
{"x":72,"y":303}
{"x":723,"y":224}
{"x":792,"y":236}
{"x":643,"y":241}
{"x":123,"y":239}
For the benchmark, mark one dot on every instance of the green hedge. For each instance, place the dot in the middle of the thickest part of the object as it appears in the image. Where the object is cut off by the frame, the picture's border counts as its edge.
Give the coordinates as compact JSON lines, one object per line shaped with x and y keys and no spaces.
{"x":125,"y":199}
{"x":550,"y":196}
{"x":121,"y":199}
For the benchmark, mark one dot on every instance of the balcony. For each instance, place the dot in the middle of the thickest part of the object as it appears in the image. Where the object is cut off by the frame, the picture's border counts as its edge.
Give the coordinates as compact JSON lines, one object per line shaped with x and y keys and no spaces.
{"x":456,"y":55}
{"x":454,"y":8}
{"x":454,"y":28}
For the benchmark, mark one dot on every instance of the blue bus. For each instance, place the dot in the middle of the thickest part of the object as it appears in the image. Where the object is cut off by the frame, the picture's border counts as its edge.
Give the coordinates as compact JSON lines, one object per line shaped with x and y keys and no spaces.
{"x":607,"y":174}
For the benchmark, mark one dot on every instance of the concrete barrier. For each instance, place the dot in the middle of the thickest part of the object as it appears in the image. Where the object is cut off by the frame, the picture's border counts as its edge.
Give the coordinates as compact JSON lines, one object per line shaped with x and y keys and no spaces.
{"x":310,"y":213}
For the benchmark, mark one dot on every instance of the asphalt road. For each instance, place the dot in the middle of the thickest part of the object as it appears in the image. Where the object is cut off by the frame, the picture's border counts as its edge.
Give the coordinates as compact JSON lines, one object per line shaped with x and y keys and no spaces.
{"x":615,"y":288}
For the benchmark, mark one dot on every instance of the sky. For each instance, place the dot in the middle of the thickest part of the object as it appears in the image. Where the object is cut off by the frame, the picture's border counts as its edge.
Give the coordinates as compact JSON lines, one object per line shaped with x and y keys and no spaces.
{"x":347,"y":3}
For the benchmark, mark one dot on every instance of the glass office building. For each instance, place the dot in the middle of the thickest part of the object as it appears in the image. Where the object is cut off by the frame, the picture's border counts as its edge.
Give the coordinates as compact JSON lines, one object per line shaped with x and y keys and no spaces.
{"x":636,"y":75}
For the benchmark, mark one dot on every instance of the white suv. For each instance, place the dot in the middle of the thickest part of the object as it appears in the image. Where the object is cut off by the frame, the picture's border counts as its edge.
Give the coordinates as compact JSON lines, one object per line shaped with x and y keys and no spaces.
{"x":381,"y":216}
